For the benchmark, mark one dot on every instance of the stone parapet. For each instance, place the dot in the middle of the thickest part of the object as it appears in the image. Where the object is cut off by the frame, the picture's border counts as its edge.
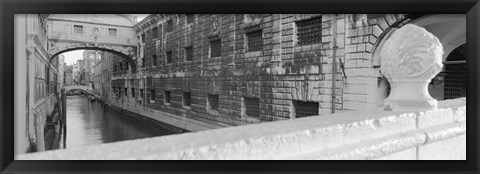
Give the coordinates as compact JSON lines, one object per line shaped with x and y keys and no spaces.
{"x":349,"y":135}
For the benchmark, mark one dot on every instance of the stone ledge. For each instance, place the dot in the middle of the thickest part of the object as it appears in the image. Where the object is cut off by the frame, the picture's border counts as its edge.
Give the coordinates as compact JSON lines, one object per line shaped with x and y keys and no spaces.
{"x":346,"y":135}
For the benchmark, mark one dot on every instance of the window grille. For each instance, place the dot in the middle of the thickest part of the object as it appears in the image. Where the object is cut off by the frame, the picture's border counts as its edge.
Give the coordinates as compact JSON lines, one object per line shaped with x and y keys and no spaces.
{"x":252,"y":107}
{"x":190,"y":18}
{"x":189,"y":53}
{"x":166,"y":95}
{"x":255,"y":41}
{"x":78,"y":29}
{"x":152,"y":95}
{"x":112,"y":32}
{"x":305,"y":109}
{"x":213,"y":100}
{"x":170,"y":25}
{"x":169,"y":56}
{"x":154,"y":60}
{"x":187,"y":98}
{"x":455,"y":81}
{"x":155,"y":32}
{"x":309,"y":31}
{"x":141,"y":93}
{"x":215,"y":48}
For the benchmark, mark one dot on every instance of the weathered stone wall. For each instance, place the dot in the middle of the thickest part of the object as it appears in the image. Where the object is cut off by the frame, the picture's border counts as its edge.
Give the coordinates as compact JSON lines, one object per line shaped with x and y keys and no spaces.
{"x":363,"y":34}
{"x":280,"y":74}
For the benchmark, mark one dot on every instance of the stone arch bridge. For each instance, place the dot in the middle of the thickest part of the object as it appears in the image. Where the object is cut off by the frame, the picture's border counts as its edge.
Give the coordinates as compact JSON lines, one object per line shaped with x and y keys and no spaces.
{"x":107,"y":32}
{"x":87,"y":89}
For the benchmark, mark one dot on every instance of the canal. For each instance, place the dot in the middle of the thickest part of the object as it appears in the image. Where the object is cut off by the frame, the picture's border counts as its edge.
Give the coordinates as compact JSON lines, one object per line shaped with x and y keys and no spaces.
{"x":89,"y":123}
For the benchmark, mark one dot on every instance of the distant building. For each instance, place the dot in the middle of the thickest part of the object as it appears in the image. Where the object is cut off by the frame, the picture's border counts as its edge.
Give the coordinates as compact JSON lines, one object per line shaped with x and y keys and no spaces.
{"x":68,"y":75}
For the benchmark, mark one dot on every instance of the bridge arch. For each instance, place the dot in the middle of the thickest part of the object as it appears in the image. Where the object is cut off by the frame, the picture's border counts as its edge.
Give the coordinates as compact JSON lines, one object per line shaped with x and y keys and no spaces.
{"x":107,"y":32}
{"x":112,"y":33}
{"x":124,"y":53}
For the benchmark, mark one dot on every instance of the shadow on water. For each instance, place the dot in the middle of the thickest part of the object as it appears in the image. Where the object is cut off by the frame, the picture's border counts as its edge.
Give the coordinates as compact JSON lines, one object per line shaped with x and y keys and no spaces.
{"x":89,"y":123}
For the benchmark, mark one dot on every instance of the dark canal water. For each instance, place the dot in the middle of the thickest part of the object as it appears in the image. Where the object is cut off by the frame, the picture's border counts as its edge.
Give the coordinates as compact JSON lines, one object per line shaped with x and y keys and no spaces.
{"x":89,"y":123}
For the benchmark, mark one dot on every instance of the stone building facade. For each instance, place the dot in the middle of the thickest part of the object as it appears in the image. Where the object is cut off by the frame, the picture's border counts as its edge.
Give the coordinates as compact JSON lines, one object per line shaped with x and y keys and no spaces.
{"x":34,"y":96}
{"x":68,"y":75}
{"x":205,"y":71}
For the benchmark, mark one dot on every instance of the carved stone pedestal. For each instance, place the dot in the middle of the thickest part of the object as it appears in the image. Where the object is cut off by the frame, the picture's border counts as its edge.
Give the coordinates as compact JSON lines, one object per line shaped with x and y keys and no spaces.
{"x":410,"y":58}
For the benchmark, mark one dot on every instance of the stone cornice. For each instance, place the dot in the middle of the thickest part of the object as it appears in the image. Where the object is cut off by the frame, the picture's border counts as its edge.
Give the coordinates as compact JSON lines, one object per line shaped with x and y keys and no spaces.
{"x":148,"y":22}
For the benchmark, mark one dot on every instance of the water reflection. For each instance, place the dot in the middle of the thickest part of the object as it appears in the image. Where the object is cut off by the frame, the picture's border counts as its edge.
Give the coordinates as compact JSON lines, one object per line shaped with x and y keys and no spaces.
{"x":89,"y":124}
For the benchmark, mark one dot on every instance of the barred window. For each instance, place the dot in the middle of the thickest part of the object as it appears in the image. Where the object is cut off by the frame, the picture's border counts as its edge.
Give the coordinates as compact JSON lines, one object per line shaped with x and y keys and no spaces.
{"x":305,"y":109}
{"x":252,"y":107}
{"x":309,"y":31}
{"x":126,"y":94}
{"x":143,"y":37}
{"x":133,"y":92}
{"x":190,"y":18}
{"x":152,"y":95}
{"x":155,"y":32}
{"x":189,"y":53}
{"x":255,"y":41}
{"x":121,"y":66}
{"x":187,"y":98}
{"x":141,"y":93}
{"x":77,"y":29}
{"x":213,"y":100}
{"x":169,"y":25}
{"x":112,"y":32}
{"x":154,"y":60}
{"x":215,"y":48}
{"x":166,"y":96}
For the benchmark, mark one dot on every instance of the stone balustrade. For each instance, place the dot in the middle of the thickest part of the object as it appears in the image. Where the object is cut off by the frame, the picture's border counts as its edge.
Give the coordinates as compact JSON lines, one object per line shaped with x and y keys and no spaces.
{"x":423,"y":135}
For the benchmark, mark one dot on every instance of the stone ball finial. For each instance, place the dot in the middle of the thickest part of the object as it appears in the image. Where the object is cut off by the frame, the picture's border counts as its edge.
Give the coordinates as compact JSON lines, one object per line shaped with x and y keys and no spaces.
{"x":411,"y":57}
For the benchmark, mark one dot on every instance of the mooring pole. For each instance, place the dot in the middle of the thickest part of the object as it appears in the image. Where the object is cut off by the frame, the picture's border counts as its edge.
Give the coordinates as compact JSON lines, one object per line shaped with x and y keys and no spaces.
{"x":60,"y":112}
{"x":64,"y":118}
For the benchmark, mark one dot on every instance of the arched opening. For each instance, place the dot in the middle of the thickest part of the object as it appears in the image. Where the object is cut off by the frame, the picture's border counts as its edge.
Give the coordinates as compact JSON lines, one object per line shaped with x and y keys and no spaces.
{"x":450,"y":29}
{"x":51,"y":84}
{"x":130,"y":63}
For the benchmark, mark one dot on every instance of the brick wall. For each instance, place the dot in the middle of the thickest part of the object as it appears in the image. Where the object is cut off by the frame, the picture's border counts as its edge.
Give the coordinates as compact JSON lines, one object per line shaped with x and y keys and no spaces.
{"x":282,"y":73}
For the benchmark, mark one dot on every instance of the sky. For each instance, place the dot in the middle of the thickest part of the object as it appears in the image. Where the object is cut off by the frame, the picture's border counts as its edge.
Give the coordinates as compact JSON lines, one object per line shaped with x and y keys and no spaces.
{"x":72,"y":56}
{"x":140,"y":16}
